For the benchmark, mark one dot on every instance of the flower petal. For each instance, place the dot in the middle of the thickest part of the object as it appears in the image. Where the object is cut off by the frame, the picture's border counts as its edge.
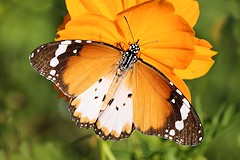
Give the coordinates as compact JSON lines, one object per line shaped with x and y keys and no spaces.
{"x":75,"y":8}
{"x":106,"y":8}
{"x":188,"y":9}
{"x":91,"y":27}
{"x":201,"y":64}
{"x":171,"y":40}
{"x":127,"y":3}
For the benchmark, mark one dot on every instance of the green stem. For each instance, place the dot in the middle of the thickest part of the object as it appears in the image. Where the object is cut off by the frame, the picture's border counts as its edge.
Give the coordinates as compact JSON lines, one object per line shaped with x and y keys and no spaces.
{"x":105,"y":151}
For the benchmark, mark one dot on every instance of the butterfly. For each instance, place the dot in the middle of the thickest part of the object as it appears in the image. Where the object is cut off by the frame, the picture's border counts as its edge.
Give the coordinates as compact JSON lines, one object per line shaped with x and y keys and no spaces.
{"x":116,"y":92}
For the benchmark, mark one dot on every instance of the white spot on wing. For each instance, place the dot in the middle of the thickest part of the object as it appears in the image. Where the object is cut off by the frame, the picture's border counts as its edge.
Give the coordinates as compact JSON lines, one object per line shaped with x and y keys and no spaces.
{"x":61,"y":49}
{"x":75,"y":51}
{"x":88,"y":41}
{"x":186,"y":102}
{"x":32,"y":55}
{"x":66,"y":42}
{"x":172,"y":132}
{"x":179,"y":92}
{"x":49,"y":77}
{"x":179,"y":125}
{"x":184,"y":110}
{"x":173,"y":101}
{"x":78,"y":41}
{"x":54,"y":62}
{"x":52,"y":72}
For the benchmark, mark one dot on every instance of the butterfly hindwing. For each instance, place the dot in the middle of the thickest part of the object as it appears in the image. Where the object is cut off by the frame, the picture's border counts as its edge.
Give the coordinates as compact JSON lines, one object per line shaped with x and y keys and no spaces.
{"x":116,"y":121}
{"x":106,"y":106}
{"x":85,"y":108}
{"x":161,"y":109}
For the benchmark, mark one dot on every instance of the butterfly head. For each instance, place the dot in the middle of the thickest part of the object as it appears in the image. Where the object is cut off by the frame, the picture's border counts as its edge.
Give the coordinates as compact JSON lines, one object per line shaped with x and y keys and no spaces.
{"x":134,"y":48}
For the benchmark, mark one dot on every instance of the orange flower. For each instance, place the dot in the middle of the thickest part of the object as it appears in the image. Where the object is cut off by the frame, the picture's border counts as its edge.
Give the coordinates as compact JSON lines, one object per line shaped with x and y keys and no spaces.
{"x":164,"y":31}
{"x":202,"y":61}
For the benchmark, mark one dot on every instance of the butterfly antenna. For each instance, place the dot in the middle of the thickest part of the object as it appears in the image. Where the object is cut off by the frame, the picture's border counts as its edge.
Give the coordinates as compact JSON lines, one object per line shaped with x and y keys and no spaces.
{"x":148,"y":43}
{"x":130,"y":29}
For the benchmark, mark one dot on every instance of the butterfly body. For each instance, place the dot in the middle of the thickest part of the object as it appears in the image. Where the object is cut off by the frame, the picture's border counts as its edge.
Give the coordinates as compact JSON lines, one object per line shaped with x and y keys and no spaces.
{"x":116,"y":91}
{"x":129,"y":57}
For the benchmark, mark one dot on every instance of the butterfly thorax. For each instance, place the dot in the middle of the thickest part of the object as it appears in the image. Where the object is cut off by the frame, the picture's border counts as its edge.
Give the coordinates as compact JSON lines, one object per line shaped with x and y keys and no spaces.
{"x":129,"y":57}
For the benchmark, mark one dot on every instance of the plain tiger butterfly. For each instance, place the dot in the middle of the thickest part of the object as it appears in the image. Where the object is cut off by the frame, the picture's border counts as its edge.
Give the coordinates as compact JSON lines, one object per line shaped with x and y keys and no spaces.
{"x":115,"y":91}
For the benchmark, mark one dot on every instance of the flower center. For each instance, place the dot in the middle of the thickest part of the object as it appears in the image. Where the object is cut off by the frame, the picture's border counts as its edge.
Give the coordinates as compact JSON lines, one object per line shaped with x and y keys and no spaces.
{"x":123,"y":45}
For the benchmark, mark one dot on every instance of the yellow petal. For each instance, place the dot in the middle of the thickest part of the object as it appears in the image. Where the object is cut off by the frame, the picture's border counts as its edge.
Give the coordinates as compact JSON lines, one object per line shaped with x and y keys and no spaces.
{"x":91,"y":27}
{"x":130,"y":3}
{"x":106,"y":8}
{"x":171,"y":40}
{"x":188,"y":9}
{"x":75,"y":8}
{"x":201,"y":64}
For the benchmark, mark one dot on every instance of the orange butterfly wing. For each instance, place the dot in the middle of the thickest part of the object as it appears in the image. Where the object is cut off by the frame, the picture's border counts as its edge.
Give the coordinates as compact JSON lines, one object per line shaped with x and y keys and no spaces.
{"x":161,"y":109}
{"x":85,"y":71}
{"x":74,"y":65}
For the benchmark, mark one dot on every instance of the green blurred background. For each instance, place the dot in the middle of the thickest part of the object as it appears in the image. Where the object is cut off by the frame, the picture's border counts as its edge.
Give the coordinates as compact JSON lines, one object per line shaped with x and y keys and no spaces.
{"x":34,"y":124}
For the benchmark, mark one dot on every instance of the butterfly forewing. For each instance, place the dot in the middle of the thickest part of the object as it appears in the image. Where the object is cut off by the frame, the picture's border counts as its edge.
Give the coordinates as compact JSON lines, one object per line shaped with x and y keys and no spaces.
{"x":161,"y":109}
{"x":74,"y":65}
